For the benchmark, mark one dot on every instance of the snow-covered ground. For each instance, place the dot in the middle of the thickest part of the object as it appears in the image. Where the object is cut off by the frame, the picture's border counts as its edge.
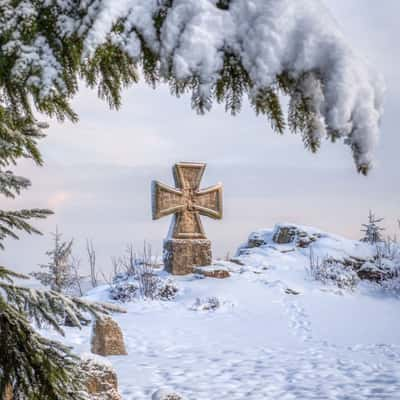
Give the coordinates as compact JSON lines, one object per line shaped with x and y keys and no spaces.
{"x":276,"y":335}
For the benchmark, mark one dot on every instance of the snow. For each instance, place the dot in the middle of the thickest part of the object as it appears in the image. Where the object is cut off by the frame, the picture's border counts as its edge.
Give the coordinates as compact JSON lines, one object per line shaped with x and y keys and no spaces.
{"x":277,"y":334}
{"x":269,"y":37}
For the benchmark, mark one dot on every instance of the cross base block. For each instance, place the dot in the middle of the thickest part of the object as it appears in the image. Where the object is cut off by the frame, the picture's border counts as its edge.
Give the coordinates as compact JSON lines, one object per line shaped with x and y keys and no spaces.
{"x":182,"y":256}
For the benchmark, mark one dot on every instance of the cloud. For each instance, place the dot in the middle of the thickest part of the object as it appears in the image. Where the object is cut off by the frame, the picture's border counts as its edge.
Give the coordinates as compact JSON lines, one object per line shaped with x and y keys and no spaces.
{"x":58,"y":199}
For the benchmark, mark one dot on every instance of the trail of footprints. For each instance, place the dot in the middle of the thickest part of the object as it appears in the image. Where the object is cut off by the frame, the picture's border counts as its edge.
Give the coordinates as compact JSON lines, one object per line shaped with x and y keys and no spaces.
{"x":319,"y":371}
{"x":298,"y":319}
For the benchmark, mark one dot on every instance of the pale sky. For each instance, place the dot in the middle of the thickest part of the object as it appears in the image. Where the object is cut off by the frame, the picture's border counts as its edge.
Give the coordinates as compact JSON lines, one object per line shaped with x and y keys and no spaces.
{"x":98,"y":172}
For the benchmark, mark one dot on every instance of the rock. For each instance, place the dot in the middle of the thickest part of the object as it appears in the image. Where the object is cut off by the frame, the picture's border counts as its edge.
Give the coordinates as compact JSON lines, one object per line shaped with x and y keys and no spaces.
{"x":101,"y":380}
{"x":237,"y":261}
{"x":256,"y":239}
{"x":8,"y":394}
{"x":292,"y":292}
{"x":285,"y":234}
{"x":107,"y":338}
{"x":210,"y":272}
{"x":164,"y":394}
{"x":371,"y":272}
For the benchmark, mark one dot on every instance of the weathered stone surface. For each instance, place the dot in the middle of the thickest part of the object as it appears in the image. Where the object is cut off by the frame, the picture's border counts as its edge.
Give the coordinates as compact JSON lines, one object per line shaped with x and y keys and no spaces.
{"x":211,"y":272}
{"x":181,"y":256}
{"x":285,"y":234}
{"x":187,"y":201}
{"x":187,"y":245}
{"x":101,"y":380}
{"x":107,"y":338}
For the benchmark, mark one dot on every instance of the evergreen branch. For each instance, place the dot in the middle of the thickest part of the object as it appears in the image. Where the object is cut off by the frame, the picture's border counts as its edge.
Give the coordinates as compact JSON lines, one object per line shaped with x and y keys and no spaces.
{"x":47,"y":50}
{"x":51,"y":307}
{"x":11,"y":185}
{"x":36,"y":368}
{"x":266,"y":101}
{"x":8,"y":275}
{"x":17,"y":220}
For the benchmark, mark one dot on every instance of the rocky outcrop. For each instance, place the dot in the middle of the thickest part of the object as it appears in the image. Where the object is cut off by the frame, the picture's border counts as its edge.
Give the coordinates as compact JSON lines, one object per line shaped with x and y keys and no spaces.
{"x":362,"y":258}
{"x":101,"y":381}
{"x":107,"y":338}
{"x":284,"y":234}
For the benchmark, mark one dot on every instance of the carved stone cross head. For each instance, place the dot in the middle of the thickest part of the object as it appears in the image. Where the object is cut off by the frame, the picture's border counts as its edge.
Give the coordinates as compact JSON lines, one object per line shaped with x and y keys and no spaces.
{"x":187,"y":201}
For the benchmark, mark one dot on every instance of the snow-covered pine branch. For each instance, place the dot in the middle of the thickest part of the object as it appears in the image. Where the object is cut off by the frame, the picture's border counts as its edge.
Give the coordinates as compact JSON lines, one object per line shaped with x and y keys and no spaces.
{"x":48,"y":306}
{"x":19,"y":135}
{"x":217,"y":50}
{"x":36,"y":367}
{"x":17,"y":220}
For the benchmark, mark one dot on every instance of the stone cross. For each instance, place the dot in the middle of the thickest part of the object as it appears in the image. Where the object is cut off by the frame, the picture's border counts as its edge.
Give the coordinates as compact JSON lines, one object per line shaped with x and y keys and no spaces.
{"x":186,"y":246}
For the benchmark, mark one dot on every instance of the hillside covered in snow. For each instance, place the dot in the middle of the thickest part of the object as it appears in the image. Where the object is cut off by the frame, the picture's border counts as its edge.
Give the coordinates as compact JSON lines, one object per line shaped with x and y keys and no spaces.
{"x":303,"y":315}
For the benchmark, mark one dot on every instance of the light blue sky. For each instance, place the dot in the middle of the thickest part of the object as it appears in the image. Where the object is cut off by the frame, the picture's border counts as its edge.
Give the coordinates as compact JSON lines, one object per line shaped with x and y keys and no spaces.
{"x":98,"y":172}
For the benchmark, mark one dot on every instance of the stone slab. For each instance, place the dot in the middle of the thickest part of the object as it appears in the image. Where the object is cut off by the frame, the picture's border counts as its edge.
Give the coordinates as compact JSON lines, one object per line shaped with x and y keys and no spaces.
{"x":181,"y":256}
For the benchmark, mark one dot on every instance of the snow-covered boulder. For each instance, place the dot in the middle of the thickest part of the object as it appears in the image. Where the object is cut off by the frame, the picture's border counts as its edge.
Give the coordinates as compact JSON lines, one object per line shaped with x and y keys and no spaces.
{"x":101,"y":379}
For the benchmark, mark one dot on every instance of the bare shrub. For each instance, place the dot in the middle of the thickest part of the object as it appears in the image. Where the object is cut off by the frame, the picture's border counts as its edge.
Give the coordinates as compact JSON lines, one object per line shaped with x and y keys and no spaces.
{"x":124,"y":291}
{"x":167,"y":290}
{"x":76,"y":276}
{"x":388,"y":261}
{"x":209,"y":304}
{"x":91,"y":253}
{"x":332,"y":272}
{"x":135,"y":277}
{"x":392,"y":285}
{"x":141,"y":268}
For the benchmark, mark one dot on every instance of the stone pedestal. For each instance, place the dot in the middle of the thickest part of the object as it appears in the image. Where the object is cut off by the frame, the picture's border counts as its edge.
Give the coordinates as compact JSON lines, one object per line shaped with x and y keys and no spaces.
{"x":181,"y":256}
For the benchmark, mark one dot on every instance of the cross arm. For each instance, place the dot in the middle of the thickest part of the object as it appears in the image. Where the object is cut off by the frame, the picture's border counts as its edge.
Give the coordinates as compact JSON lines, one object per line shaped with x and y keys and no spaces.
{"x":166,"y":200}
{"x":208,"y":201}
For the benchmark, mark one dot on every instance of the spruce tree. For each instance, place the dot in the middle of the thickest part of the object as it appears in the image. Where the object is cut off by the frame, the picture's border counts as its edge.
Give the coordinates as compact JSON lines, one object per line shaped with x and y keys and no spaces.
{"x":58,"y":272}
{"x":372,"y":230}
